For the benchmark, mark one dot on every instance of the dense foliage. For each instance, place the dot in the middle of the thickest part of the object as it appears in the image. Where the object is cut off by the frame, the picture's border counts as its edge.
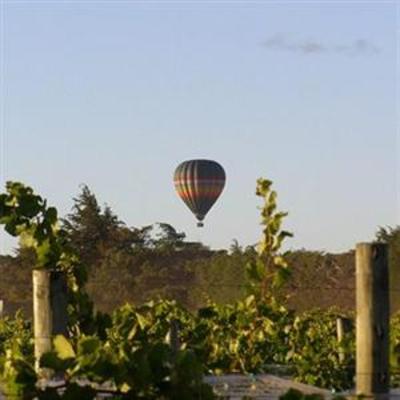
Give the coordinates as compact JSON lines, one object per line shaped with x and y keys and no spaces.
{"x":18,"y":376}
{"x":134,"y":357}
{"x":135,"y":265}
{"x":158,"y":349}
{"x":26,"y":215}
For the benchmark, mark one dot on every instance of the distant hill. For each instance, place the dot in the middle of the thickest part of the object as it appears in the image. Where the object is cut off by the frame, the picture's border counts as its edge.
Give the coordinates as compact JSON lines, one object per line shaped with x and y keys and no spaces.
{"x":128,"y":264}
{"x":192,"y":276}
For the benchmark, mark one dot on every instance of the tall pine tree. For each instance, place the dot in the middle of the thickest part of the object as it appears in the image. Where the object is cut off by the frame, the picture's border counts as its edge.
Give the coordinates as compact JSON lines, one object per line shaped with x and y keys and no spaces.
{"x":90,"y":229}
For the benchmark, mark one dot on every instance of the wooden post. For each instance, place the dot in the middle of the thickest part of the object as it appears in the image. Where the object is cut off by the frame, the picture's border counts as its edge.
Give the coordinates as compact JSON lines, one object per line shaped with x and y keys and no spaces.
{"x":340,"y":335}
{"x":372,"y":331}
{"x":174,"y":337}
{"x":59,"y":303}
{"x":343,"y":327}
{"x":42,"y":318}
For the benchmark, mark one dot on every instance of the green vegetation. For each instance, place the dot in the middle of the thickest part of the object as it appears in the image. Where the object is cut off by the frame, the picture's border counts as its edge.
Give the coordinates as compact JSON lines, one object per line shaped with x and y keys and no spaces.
{"x":132,"y":356}
{"x":135,"y":265}
{"x":232,"y":307}
{"x":27,"y":216}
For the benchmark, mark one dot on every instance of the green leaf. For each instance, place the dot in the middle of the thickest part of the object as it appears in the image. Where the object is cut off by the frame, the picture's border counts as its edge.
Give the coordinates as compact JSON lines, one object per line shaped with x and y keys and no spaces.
{"x":5,"y":210}
{"x":43,"y":252}
{"x":280,"y":277}
{"x":11,"y":226}
{"x":249,"y":301}
{"x":263,"y":186}
{"x":89,"y":345}
{"x":52,"y":361}
{"x":142,"y":321}
{"x":261,"y":269}
{"x":253,"y":271}
{"x":29,"y":205}
{"x":51,"y":215}
{"x":26,"y":239}
{"x":63,"y":347}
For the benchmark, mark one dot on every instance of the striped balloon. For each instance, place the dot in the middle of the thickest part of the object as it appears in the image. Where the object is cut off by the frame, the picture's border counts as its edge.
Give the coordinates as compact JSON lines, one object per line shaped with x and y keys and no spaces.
{"x":199,"y":183}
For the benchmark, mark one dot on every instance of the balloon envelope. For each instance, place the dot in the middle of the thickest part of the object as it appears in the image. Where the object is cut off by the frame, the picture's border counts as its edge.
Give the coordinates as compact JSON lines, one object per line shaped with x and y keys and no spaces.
{"x":199,"y":183}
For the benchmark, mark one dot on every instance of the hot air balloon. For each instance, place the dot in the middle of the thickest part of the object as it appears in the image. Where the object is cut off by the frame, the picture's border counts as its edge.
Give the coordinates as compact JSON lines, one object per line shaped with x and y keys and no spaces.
{"x":199,"y":183}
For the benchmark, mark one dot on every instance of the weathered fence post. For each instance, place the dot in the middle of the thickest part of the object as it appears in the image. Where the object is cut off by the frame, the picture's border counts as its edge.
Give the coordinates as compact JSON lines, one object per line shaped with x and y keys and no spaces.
{"x":59,"y":303}
{"x":343,"y":326}
{"x":372,"y":331}
{"x":49,"y":311}
{"x":42,"y":317}
{"x":174,"y":341}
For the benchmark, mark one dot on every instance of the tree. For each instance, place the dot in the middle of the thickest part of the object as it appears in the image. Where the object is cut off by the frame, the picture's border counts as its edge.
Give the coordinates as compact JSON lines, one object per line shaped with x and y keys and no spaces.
{"x":92,"y":231}
{"x":391,"y":236}
{"x":168,"y":238}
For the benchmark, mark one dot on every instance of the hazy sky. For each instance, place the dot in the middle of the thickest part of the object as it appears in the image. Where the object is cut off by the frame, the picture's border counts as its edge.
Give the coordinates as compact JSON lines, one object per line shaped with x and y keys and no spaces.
{"x":116,"y":94}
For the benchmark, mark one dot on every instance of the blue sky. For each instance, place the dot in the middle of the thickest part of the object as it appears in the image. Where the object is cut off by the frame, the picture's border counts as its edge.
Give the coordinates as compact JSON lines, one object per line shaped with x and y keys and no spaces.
{"x":116,"y":94}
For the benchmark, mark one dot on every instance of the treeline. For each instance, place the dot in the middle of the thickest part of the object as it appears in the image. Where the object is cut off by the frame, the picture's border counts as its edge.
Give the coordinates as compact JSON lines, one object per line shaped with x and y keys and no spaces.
{"x":128,"y":264}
